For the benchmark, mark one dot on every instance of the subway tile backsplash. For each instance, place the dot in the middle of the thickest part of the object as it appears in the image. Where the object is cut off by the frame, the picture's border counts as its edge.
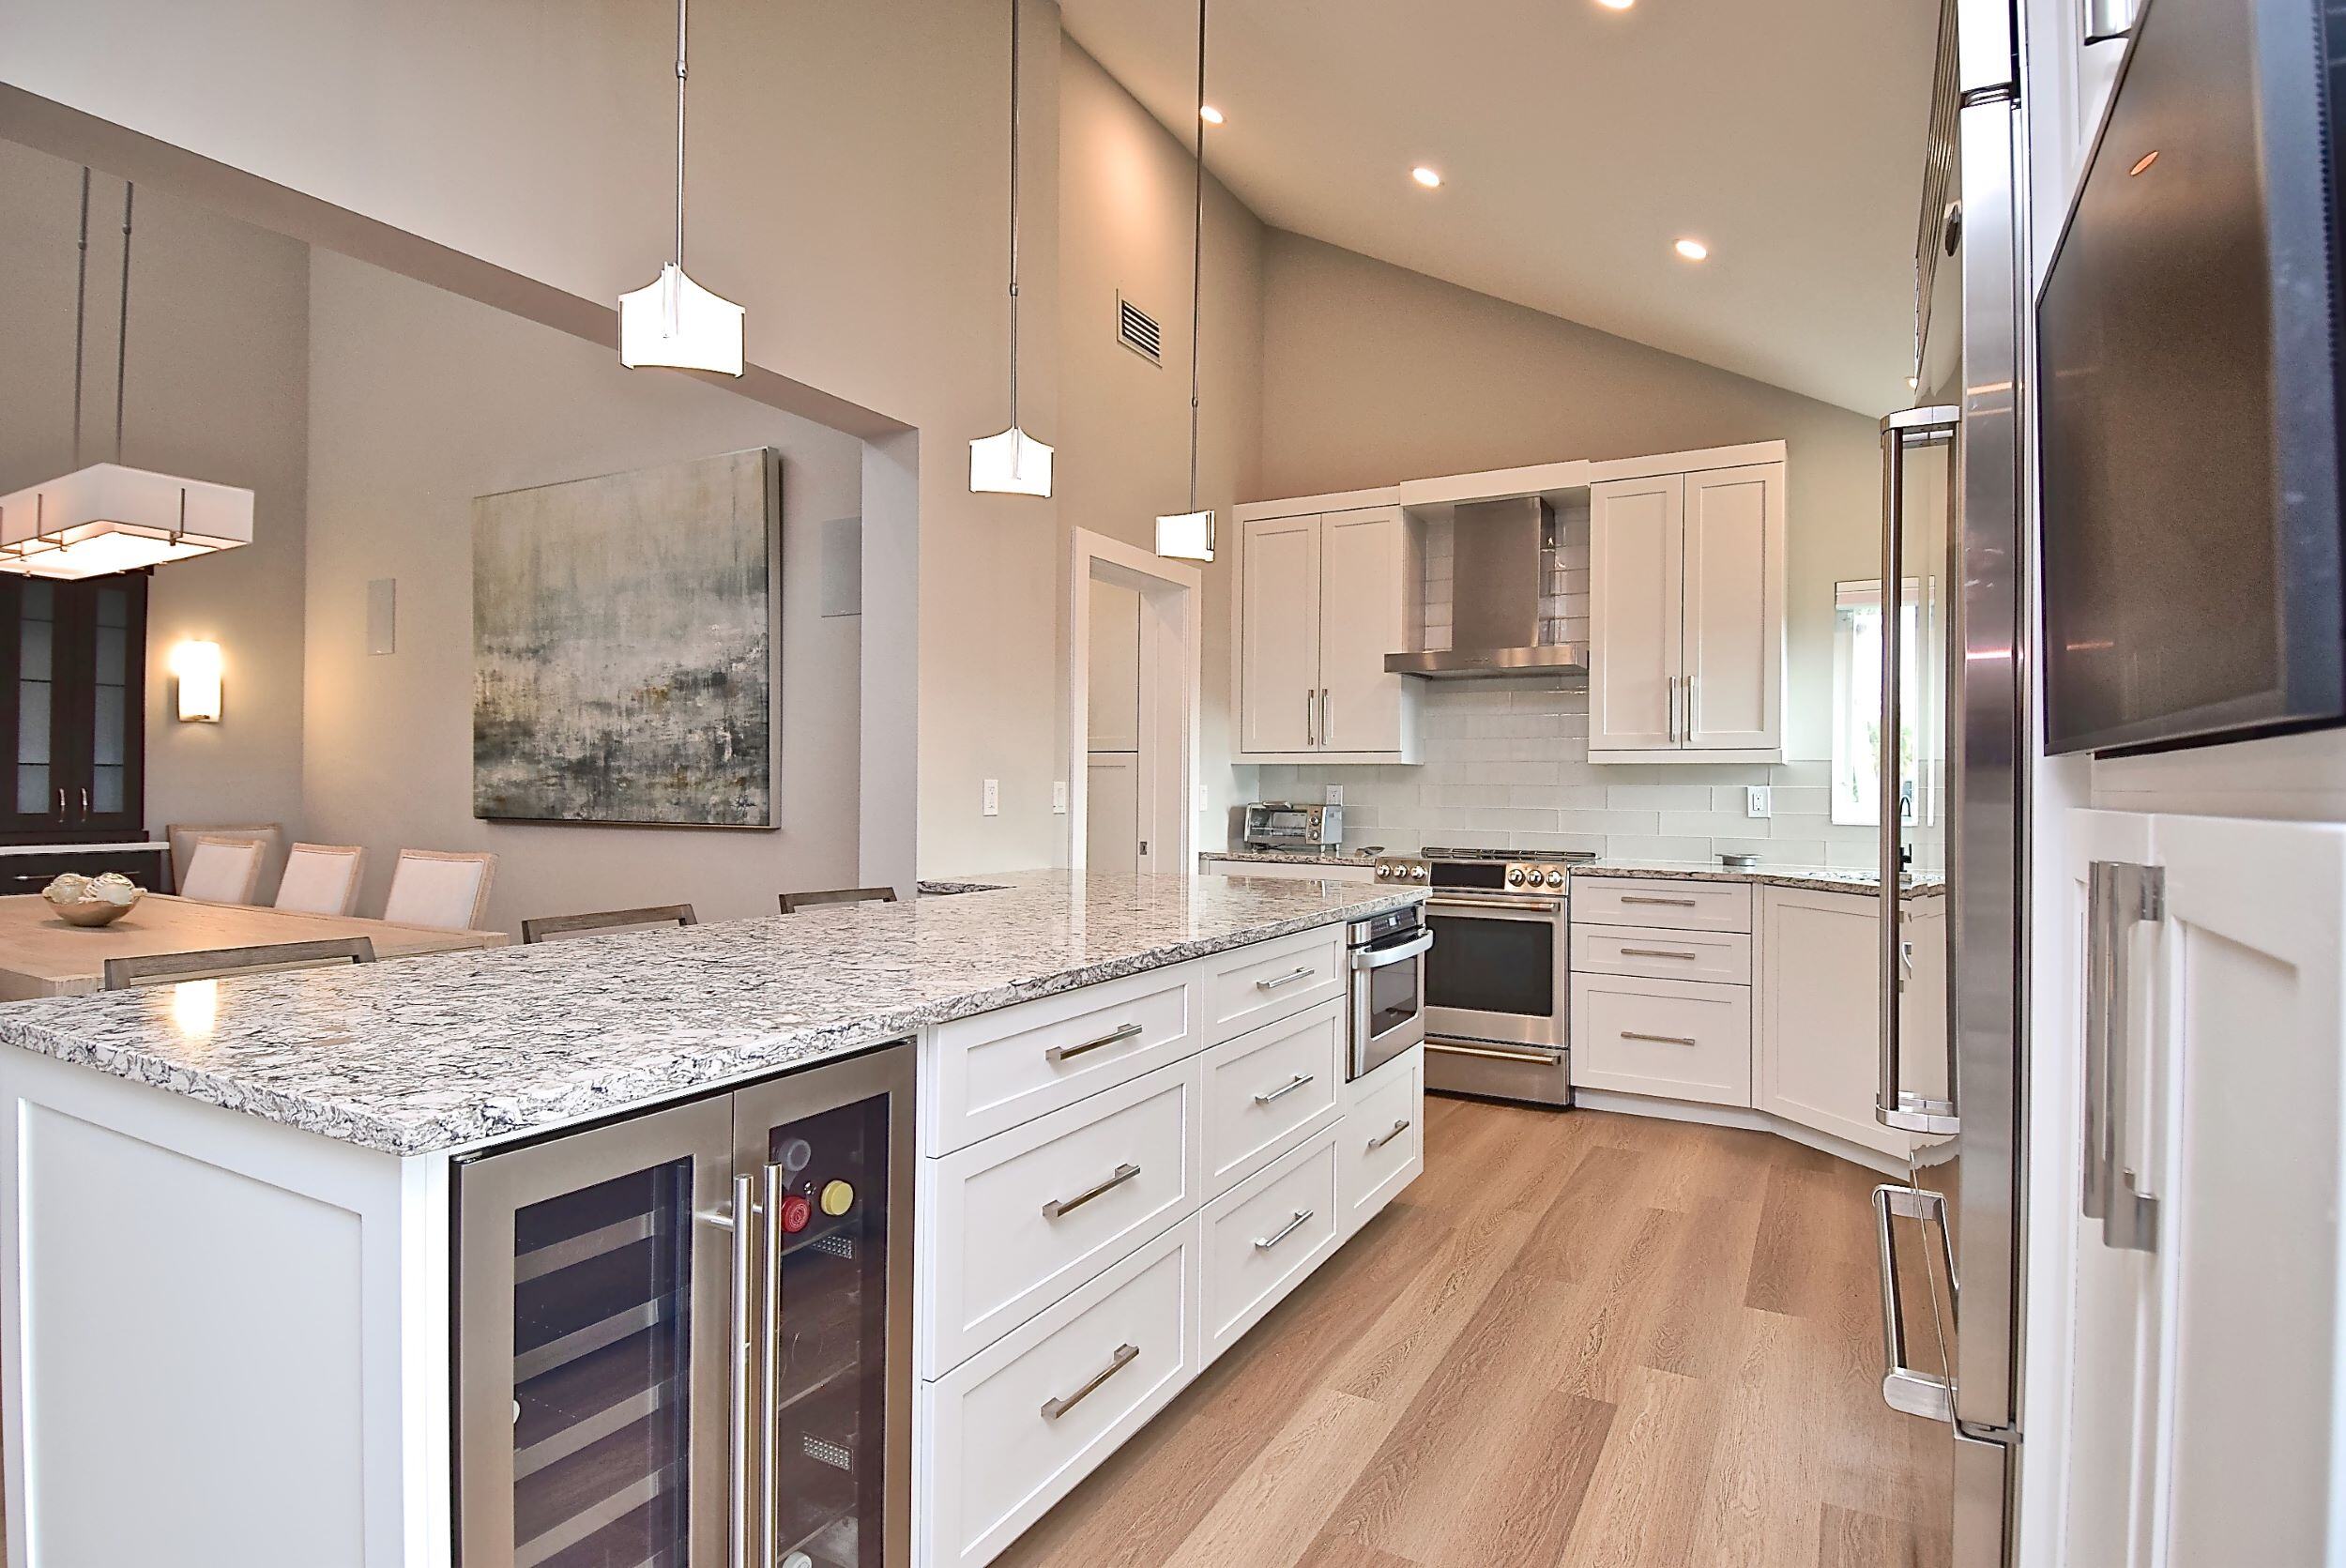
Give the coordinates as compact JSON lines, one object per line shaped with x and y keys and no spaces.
{"x":1507,"y":765}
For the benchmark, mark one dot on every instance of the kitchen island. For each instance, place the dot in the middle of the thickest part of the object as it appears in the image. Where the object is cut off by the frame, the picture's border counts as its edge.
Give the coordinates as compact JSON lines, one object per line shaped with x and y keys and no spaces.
{"x":231,"y":1251}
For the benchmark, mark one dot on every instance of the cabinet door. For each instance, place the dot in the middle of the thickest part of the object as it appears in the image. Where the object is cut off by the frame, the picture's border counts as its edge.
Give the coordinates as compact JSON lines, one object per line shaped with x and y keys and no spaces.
{"x":1820,"y":1014}
{"x":1637,"y":539}
{"x":32,"y":713}
{"x":1733,"y":675}
{"x":72,"y":688}
{"x":1279,"y":636}
{"x":1363,"y":575}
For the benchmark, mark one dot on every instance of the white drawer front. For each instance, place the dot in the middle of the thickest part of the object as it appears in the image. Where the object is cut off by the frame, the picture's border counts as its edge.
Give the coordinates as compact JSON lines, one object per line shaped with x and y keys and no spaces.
{"x":1380,"y":1149}
{"x":1017,"y":1222}
{"x":993,"y":1461}
{"x":1674,"y":1038}
{"x":1265,"y":1235}
{"x":1000,"y":1069}
{"x":1661,"y":954}
{"x":1248,"y":987}
{"x":1267,"y":1089}
{"x":1680,"y":905}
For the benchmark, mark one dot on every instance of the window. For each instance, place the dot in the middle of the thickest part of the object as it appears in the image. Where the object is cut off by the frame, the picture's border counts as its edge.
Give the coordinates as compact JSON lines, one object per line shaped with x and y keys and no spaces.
{"x":1857,"y":704}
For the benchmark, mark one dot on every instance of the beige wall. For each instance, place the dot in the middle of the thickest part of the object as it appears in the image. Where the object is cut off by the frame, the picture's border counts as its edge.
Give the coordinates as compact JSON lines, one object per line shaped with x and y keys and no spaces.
{"x":1126,"y":200}
{"x":421,"y":401}
{"x":1373,"y":374}
{"x":218,"y":376}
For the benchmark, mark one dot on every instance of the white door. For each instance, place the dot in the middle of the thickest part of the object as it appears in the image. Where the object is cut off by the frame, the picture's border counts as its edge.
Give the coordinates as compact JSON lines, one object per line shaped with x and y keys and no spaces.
{"x":1113,"y":689}
{"x":1362,"y":570}
{"x":1635,"y":543}
{"x":1733,"y":675}
{"x":1112,"y":811}
{"x":1821,"y":1014}
{"x":1279,"y":636}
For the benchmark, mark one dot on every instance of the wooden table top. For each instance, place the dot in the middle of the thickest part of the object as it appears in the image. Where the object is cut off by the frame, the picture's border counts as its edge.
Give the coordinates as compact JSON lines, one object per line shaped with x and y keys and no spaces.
{"x":40,"y":955}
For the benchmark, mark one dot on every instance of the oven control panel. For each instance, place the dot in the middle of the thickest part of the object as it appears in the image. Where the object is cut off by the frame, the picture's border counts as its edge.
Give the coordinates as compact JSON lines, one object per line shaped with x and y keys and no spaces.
{"x":1490,"y":875}
{"x":1401,"y":868}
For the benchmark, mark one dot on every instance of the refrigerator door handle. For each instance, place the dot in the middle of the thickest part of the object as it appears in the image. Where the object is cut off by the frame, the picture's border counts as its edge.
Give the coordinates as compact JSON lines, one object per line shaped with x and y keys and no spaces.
{"x":2119,"y":897}
{"x":1903,"y":1388}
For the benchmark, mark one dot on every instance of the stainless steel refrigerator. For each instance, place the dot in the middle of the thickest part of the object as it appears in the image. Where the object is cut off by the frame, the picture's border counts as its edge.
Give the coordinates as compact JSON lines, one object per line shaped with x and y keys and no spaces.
{"x":1952,"y":642}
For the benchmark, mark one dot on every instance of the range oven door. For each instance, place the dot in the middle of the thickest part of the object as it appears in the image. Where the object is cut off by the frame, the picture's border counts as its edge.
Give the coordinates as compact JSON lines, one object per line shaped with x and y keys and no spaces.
{"x":1497,"y":969}
{"x":1388,"y":999}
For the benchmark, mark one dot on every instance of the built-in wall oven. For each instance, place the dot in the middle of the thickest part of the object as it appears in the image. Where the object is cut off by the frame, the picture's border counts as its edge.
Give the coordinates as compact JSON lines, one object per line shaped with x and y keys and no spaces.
{"x":1386,"y":958}
{"x":1496,"y":982}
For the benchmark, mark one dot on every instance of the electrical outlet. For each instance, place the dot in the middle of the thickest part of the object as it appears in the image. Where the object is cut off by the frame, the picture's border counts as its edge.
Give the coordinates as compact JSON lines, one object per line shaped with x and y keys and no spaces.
{"x":1059,"y":796}
{"x":1759,"y":800}
{"x":992,"y":797}
{"x":1335,"y":795}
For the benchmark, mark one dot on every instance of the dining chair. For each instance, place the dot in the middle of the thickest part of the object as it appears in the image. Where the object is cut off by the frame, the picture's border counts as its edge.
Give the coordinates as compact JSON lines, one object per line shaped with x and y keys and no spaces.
{"x":320,"y":878}
{"x":793,"y":903}
{"x":546,"y":926}
{"x":181,"y":836}
{"x":169,"y":968}
{"x":446,"y":890}
{"x":224,"y":870}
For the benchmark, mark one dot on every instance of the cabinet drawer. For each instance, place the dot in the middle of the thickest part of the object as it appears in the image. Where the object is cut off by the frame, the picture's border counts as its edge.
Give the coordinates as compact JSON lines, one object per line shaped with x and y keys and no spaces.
{"x":1000,"y":1069}
{"x":1677,"y":904}
{"x":1269,"y":1088}
{"x":1018,"y":1221}
{"x":1658,"y":953}
{"x":1677,"y":1038}
{"x":1000,"y":1440}
{"x":1250,"y":986}
{"x":1265,"y":1235}
{"x":1380,"y":1149}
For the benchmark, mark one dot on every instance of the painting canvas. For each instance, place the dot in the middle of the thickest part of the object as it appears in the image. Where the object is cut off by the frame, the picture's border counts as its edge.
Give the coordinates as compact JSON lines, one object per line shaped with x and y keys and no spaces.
{"x":623,"y":646}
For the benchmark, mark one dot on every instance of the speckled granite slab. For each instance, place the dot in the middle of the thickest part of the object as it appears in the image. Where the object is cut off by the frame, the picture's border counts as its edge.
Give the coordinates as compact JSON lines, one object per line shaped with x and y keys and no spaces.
{"x":418,"y":1055}
{"x":1823,"y":880}
{"x":1292,"y":856}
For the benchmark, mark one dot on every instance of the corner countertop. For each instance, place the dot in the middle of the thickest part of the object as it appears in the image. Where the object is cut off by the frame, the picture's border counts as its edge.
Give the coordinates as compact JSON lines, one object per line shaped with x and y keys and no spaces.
{"x":422,"y":1055}
{"x":1825,"y":879}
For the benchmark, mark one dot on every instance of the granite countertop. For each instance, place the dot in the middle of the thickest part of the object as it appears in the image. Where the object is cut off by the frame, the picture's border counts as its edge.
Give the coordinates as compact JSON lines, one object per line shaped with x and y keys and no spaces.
{"x":1828,"y":879}
{"x":419,"y":1054}
{"x":1294,"y":857}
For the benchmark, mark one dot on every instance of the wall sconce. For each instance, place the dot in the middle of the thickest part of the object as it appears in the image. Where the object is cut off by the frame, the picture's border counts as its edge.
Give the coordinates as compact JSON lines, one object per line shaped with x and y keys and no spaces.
{"x":196,"y":667}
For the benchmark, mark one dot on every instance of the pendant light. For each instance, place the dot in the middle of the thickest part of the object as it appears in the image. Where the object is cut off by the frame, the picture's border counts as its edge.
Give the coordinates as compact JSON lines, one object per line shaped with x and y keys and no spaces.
{"x":1013,"y":463}
{"x":109,"y":517}
{"x":672,"y":321}
{"x":1188,"y":535}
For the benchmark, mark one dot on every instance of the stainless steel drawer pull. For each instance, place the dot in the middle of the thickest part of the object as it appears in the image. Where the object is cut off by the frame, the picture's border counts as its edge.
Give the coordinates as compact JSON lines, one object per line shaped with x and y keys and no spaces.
{"x":1125,"y":1355}
{"x":1660,"y":1039}
{"x":1061,"y":1053}
{"x":1657,"y":952}
{"x":1288,"y":1087}
{"x":1649,"y":898}
{"x":1058,"y":1206}
{"x":1264,"y":1244}
{"x":1385,"y":1138}
{"x":1288,"y":979}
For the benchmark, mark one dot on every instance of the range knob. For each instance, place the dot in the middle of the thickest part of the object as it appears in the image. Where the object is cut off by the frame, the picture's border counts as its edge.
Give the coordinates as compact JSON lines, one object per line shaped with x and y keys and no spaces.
{"x":1417,"y":873}
{"x":1515,"y":877}
{"x":1384,"y":872}
{"x":1555,"y":878}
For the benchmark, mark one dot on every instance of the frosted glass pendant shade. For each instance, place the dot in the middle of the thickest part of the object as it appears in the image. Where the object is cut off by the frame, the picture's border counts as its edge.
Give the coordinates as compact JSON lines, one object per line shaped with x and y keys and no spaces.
{"x":1011,"y":464}
{"x":673,"y":322}
{"x":107,"y":518}
{"x":1186,"y":536}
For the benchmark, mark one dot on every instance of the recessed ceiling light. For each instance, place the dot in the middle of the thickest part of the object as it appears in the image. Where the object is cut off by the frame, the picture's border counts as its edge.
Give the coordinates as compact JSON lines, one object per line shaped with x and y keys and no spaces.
{"x":1426,"y":177}
{"x":2144,"y":161}
{"x":1208,"y":113}
{"x":1914,"y":384}
{"x":1693,"y":249}
{"x":1616,"y":4}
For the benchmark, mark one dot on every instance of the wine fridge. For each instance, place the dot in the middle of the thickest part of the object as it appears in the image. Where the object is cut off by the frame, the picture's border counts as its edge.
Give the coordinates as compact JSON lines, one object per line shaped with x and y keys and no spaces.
{"x":683,"y":1339}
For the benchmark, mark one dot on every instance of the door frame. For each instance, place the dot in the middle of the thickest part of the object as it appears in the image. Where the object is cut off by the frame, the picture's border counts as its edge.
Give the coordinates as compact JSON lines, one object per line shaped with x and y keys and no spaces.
{"x":1172,"y":643}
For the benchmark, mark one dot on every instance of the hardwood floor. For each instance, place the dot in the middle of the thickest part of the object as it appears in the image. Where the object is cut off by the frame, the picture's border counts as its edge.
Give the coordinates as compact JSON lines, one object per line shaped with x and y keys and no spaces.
{"x":1578,"y":1340}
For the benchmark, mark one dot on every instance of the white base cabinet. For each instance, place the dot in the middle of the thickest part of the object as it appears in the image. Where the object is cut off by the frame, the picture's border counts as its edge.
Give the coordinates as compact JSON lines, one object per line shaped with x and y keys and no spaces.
{"x":1382,"y":1146}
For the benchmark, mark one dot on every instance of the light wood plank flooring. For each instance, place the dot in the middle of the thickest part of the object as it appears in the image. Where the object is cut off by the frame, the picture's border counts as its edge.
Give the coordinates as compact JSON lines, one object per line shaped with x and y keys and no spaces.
{"x":1579,"y":1339}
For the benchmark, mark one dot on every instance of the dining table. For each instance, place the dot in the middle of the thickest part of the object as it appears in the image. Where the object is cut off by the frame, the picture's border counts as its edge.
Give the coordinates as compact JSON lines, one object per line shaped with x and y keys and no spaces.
{"x":42,"y":955}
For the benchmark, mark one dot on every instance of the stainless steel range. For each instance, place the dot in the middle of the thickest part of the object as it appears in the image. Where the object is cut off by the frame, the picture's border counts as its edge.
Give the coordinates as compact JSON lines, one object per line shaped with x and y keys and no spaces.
{"x":1497,"y":988}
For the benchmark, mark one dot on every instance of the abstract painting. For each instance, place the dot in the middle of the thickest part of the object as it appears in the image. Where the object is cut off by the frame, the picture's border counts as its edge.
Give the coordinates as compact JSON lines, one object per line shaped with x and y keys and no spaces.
{"x":623,"y":646}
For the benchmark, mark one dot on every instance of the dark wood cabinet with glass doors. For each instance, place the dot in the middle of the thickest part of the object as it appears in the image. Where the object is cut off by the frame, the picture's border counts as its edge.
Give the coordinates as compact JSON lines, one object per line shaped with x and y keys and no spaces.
{"x":683,"y":1339}
{"x":72,"y":695}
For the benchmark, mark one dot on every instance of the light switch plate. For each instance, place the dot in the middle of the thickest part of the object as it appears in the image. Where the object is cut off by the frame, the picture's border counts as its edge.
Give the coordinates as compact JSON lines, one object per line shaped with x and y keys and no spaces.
{"x":1059,"y":796}
{"x":992,"y":797}
{"x":1335,"y":795}
{"x":1759,"y":800}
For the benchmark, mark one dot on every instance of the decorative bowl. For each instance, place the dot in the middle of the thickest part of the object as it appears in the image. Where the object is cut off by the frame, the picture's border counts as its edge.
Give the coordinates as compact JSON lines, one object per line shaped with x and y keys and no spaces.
{"x":98,"y":913}
{"x":91,"y":901}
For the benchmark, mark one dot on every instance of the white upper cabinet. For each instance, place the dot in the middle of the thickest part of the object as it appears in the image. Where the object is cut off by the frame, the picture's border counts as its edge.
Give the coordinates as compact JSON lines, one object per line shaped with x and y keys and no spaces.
{"x":1324,"y":596}
{"x":1686,"y":616}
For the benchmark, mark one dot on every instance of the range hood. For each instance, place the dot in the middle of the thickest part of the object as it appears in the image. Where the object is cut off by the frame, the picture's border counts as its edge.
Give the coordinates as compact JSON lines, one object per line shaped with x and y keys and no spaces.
{"x":1494,"y":604}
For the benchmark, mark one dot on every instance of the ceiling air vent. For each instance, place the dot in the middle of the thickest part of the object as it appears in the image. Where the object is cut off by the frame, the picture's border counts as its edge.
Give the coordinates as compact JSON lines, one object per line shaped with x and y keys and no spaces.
{"x":1139,"y":332}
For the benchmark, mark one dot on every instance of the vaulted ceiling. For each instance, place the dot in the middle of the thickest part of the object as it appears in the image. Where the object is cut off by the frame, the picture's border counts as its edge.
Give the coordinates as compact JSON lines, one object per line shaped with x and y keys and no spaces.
{"x":1577,"y":143}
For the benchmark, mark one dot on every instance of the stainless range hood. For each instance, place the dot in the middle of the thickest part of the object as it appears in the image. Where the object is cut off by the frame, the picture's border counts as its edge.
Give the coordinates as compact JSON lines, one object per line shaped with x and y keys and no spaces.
{"x":1495,"y":606}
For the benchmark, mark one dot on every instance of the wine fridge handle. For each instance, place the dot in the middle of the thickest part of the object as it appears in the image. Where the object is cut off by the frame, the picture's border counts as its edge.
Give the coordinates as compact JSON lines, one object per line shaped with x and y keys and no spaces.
{"x":739,"y":1364}
{"x":769,"y":1330}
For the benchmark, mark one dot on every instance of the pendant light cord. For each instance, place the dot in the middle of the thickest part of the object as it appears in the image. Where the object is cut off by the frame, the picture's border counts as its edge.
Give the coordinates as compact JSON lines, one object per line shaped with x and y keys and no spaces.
{"x":679,"y":134}
{"x":1197,"y":254}
{"x":81,"y":320}
{"x":122,"y":332}
{"x":1016,"y":7}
